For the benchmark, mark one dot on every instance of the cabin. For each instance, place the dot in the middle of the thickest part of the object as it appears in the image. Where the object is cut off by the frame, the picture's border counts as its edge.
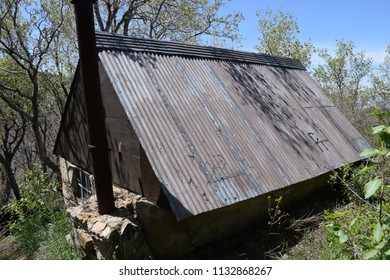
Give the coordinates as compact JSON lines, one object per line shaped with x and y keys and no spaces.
{"x":200,"y":138}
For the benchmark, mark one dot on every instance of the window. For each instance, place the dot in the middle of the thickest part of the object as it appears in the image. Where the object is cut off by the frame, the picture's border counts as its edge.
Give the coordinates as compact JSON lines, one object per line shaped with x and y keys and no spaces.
{"x":85,"y":188}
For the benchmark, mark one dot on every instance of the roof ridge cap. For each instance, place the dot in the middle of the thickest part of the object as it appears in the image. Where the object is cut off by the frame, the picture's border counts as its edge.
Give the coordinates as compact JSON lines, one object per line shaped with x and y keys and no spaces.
{"x":112,"y":41}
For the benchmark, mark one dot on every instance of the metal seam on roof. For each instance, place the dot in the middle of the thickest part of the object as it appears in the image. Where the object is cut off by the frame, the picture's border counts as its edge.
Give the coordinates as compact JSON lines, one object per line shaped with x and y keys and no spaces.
{"x":175,"y":87}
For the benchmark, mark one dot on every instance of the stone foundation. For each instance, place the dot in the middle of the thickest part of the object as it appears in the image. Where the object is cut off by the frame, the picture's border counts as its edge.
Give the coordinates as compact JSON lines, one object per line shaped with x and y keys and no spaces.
{"x":137,"y":229}
{"x":114,"y":236}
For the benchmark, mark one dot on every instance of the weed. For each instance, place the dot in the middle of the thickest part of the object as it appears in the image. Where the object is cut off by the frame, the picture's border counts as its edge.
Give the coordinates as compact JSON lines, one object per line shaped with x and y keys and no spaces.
{"x":275,"y":213}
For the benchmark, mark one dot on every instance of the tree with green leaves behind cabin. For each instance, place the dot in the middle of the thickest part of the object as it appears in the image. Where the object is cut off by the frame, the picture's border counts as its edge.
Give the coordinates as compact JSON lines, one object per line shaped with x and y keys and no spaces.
{"x":343,"y":77}
{"x":380,"y":81}
{"x":279,"y":33}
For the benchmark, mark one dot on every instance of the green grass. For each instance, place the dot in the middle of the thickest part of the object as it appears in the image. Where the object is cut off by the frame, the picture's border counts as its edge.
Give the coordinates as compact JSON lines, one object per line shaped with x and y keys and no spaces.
{"x":55,"y":247}
{"x":315,"y":245}
{"x":32,"y":239}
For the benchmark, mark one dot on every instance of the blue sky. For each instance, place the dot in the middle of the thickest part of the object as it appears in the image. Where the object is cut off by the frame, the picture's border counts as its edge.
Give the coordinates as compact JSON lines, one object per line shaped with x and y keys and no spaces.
{"x":366,"y":23}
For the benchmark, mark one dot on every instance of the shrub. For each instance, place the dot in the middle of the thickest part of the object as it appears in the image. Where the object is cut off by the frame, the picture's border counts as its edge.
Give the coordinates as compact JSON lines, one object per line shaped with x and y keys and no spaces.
{"x":38,"y":220}
{"x":363,"y":230}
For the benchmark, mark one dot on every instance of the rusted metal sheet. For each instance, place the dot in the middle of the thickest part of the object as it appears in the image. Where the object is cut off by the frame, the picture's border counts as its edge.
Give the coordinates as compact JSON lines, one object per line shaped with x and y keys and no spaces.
{"x":216,"y":130}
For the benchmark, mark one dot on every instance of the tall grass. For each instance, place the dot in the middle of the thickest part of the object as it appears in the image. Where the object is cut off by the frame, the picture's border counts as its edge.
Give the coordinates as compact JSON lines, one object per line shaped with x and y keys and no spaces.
{"x":54,"y":246}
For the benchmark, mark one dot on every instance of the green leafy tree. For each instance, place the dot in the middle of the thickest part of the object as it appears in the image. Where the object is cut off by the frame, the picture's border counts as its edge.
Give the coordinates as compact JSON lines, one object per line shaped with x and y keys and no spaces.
{"x":381,"y":84}
{"x":279,"y":36}
{"x":176,"y":20}
{"x":343,"y":76}
{"x":378,"y":187}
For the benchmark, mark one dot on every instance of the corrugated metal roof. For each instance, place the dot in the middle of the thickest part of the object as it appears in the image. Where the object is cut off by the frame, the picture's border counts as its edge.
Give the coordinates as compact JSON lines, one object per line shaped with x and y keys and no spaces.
{"x":218,"y":130}
{"x":110,"y":41}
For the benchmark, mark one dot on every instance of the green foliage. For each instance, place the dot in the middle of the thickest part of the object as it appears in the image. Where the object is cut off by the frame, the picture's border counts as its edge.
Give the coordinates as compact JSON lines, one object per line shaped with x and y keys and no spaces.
{"x":348,"y":183}
{"x":279,"y":36}
{"x":356,"y":233}
{"x":380,"y":81}
{"x":44,"y":240}
{"x":347,"y":231}
{"x":342,"y":76}
{"x":364,"y":230}
{"x":275,"y":213}
{"x":39,"y":222}
{"x":40,"y":198}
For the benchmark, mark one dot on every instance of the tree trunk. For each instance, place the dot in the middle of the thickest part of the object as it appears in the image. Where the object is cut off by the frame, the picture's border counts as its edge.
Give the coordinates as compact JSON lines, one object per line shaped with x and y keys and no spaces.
{"x":11,"y":180}
{"x":42,"y":152}
{"x":35,"y":124}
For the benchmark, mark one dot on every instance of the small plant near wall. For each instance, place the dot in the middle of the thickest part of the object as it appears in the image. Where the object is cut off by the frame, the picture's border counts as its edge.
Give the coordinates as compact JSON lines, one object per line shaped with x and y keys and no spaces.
{"x":275,"y":213}
{"x":362,"y":230}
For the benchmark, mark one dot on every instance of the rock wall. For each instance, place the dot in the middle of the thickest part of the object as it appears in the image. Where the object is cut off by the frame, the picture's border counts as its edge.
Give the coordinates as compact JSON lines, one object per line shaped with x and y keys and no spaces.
{"x":114,"y":236}
{"x":137,"y":229}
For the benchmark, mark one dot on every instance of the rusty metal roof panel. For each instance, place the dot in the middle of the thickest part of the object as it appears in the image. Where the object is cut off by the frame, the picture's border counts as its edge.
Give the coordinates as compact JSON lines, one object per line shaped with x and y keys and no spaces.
{"x":218,"y":131}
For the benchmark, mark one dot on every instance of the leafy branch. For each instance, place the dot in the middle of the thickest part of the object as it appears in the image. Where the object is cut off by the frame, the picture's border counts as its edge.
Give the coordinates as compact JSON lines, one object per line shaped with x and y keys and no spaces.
{"x":368,"y":233}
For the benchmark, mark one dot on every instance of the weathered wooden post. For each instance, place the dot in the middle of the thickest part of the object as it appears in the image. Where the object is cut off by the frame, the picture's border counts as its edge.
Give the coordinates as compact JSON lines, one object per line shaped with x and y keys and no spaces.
{"x":94,"y":106}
